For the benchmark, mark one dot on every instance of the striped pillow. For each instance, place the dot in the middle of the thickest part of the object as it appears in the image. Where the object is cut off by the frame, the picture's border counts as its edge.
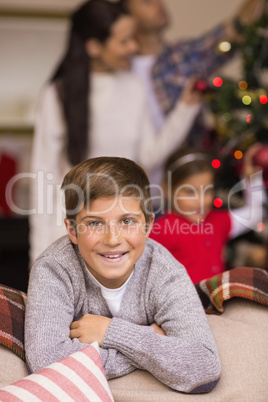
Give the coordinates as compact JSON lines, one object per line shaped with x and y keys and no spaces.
{"x":78,"y":377}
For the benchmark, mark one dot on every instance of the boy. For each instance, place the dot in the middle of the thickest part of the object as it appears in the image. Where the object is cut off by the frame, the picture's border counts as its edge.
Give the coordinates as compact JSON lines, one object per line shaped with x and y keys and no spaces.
{"x":107,"y":281}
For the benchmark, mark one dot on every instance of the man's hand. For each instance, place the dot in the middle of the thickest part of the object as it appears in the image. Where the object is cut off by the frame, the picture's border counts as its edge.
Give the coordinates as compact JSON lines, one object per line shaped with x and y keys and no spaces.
{"x":247,"y":14}
{"x":90,"y":328}
{"x":251,"y":11}
{"x":157,"y":329}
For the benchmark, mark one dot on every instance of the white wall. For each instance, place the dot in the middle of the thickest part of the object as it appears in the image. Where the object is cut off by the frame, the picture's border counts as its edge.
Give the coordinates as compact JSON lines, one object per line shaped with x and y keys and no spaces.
{"x":39,"y":4}
{"x":29,"y":51}
{"x":193,"y":17}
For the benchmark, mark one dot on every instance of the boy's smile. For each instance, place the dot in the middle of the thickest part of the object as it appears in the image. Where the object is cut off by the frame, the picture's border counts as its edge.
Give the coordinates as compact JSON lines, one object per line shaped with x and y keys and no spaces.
{"x":111,"y":238}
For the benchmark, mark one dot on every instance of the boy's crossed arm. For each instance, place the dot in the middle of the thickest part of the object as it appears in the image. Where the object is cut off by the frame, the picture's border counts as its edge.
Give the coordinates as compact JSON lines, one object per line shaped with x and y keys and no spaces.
{"x":185,"y":359}
{"x":92,"y":328}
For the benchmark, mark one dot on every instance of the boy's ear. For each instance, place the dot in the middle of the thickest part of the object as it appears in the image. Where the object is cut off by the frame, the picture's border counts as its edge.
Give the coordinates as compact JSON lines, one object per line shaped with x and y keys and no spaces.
{"x":71,"y":230}
{"x":93,"y":48}
{"x":150,"y":226}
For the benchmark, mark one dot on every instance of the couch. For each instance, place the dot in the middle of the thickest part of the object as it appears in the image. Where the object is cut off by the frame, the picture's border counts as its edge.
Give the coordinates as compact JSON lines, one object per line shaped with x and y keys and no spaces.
{"x":241,"y":333}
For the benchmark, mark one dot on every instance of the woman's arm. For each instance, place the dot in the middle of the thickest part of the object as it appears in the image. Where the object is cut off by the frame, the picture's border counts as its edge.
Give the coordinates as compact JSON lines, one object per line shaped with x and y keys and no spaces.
{"x":156,"y":147}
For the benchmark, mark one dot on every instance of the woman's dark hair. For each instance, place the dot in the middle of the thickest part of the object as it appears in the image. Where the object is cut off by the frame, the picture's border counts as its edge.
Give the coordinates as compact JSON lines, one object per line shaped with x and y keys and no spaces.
{"x":187,"y":162}
{"x":93,"y":19}
{"x":125,"y":4}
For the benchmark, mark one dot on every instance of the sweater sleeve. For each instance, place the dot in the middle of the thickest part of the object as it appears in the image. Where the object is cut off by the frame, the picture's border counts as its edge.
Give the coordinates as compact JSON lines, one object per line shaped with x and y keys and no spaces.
{"x":156,"y":147}
{"x":186,"y":359}
{"x":202,"y":54}
{"x":184,"y":59}
{"x":247,"y":217}
{"x":47,"y":163}
{"x":49,"y":313}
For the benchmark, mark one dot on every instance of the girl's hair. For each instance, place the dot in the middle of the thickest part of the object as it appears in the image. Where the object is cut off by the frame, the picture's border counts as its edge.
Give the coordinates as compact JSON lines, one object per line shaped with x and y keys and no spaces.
{"x":93,"y":19}
{"x":186,"y":162}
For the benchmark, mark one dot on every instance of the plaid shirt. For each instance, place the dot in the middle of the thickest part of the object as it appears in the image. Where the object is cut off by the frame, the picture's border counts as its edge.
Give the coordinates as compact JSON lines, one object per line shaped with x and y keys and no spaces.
{"x":183,"y":59}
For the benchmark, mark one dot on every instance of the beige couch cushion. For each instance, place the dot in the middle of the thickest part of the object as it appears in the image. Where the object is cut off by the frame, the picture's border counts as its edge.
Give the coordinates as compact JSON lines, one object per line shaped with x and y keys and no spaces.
{"x":241,"y":334}
{"x":12,"y":368}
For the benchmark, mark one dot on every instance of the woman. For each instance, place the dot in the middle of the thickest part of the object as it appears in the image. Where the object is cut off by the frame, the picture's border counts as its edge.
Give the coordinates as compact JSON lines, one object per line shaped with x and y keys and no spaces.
{"x":94,"y":106}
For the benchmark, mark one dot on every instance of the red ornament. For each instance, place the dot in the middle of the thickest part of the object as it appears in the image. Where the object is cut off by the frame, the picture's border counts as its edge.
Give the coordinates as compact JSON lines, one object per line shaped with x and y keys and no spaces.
{"x":263,"y":99}
{"x":217,"y":82}
{"x":218,"y":203}
{"x":216,"y":163}
{"x":201,"y":86}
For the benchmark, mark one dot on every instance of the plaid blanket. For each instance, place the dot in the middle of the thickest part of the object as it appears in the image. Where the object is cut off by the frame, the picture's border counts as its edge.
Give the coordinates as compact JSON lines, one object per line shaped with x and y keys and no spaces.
{"x":246,"y":283}
{"x":12,"y":311}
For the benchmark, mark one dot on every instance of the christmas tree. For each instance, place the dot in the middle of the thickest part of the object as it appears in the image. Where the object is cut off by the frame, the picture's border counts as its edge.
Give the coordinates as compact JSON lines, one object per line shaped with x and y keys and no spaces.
{"x":240,"y":109}
{"x":240,"y":112}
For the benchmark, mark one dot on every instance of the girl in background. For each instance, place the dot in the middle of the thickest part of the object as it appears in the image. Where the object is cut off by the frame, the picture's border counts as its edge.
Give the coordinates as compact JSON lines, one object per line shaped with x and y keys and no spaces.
{"x":194,"y":232}
{"x":94,"y":106}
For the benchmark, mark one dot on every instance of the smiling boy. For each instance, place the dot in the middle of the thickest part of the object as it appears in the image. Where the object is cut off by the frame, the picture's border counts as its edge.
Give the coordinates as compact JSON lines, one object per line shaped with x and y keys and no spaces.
{"x":107,"y":281}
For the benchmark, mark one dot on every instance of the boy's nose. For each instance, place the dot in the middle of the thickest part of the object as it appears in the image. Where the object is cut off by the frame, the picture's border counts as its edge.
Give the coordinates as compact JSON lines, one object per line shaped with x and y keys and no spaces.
{"x":113,"y":235}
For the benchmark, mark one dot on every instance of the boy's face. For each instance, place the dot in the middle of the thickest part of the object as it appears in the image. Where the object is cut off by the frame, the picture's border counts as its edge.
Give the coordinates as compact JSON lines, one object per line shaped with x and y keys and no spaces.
{"x":150,"y":15}
{"x":111,"y":238}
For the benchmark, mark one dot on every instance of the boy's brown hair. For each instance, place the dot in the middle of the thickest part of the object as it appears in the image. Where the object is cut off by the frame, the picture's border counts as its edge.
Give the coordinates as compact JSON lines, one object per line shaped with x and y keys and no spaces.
{"x":105,"y":177}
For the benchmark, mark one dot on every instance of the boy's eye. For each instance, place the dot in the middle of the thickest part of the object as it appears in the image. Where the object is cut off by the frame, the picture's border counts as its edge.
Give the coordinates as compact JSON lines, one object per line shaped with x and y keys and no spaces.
{"x":127,"y":221}
{"x":94,"y":223}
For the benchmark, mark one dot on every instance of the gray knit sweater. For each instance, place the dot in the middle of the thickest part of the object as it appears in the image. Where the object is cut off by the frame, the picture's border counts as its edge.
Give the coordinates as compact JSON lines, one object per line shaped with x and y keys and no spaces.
{"x":61,"y":291}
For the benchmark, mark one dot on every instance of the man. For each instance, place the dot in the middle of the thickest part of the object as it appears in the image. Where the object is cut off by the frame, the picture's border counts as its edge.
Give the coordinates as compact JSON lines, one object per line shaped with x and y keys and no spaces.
{"x":164,"y":68}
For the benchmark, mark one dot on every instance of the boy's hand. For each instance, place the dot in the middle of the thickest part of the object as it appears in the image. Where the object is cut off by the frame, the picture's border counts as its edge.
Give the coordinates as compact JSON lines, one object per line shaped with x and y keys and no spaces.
{"x":249,"y":167}
{"x":90,"y":328}
{"x":157,"y":329}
